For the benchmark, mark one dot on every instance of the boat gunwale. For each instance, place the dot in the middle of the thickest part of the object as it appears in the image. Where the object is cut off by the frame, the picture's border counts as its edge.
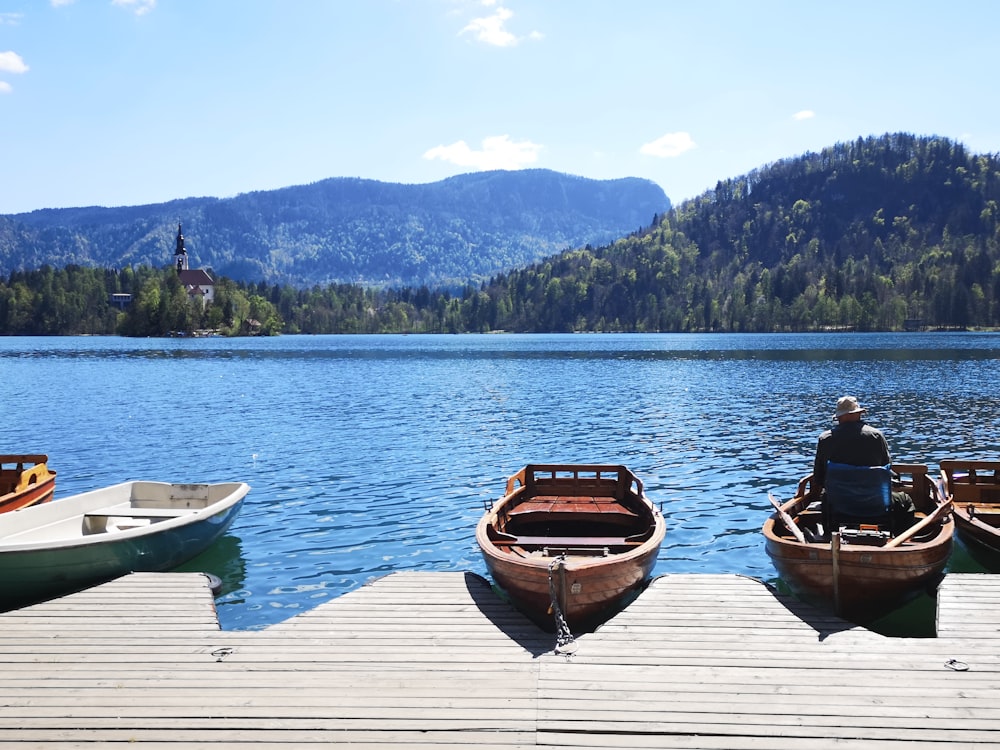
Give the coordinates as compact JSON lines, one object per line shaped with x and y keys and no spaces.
{"x":196,"y":515}
{"x":610,"y":578}
{"x":803,"y":500}
{"x":25,"y":495}
{"x":871,"y":578}
{"x":969,"y":524}
{"x":515,"y":495}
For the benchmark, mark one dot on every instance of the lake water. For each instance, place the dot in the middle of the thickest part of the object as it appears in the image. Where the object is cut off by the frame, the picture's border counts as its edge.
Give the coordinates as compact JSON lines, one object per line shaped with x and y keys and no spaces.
{"x":372,"y":454}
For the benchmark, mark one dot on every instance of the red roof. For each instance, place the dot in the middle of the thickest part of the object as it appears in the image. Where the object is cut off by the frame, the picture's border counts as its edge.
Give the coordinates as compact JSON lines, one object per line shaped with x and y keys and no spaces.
{"x":196,"y":277}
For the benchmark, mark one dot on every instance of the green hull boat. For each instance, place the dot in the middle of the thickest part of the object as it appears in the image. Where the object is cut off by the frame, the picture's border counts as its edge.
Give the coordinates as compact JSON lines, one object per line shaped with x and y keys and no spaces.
{"x":75,"y":542}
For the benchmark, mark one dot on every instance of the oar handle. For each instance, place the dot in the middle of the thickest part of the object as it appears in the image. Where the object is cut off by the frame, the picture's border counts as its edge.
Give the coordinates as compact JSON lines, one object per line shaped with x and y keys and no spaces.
{"x":935,"y":516}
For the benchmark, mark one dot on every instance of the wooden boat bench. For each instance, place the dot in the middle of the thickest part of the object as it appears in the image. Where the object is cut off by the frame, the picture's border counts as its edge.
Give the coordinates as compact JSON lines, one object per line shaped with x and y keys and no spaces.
{"x":568,"y":541}
{"x":557,"y":503}
{"x":973,"y":481}
{"x":589,"y":545}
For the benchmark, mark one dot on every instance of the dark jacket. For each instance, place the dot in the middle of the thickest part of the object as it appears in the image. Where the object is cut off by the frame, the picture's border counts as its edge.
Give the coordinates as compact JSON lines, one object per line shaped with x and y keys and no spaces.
{"x":855,"y":443}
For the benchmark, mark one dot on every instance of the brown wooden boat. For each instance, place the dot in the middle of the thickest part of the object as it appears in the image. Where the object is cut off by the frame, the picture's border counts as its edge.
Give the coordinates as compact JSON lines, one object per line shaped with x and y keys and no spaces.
{"x":571,"y":540}
{"x":25,"y":480}
{"x":861,"y":571}
{"x":974,"y":489}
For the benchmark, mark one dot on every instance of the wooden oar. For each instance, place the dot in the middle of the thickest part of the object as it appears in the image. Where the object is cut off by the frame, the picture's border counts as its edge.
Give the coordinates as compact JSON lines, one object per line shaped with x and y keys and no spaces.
{"x":787,"y":519}
{"x":926,"y":521}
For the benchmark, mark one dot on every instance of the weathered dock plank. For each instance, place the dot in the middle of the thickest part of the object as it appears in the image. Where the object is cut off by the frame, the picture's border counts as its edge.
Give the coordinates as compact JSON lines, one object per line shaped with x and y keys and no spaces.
{"x":968,"y":607}
{"x":437,"y":659}
{"x":159,"y":676}
{"x":683,"y":664}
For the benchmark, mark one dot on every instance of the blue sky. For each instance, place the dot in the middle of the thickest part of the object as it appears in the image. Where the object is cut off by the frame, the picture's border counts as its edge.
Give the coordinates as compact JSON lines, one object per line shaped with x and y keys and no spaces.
{"x":127,"y":102}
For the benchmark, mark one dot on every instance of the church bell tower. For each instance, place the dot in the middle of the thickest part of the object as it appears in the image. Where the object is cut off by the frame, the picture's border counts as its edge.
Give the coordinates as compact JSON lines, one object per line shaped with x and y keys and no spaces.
{"x":180,"y":254}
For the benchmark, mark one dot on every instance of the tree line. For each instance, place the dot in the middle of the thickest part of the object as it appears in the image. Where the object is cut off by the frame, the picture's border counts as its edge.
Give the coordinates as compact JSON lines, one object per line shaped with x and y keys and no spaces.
{"x":877,"y":234}
{"x":78,"y":300}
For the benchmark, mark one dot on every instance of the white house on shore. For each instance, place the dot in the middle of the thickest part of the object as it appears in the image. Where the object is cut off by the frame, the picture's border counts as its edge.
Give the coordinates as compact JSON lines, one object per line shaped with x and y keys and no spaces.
{"x":198,"y":283}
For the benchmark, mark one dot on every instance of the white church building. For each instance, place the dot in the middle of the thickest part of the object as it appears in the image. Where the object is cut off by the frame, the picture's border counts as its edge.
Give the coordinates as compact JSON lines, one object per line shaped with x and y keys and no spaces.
{"x":198,"y":283}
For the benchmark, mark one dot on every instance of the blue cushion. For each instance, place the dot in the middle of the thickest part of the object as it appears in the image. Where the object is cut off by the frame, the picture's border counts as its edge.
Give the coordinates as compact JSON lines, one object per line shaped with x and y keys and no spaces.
{"x":858,"y":491}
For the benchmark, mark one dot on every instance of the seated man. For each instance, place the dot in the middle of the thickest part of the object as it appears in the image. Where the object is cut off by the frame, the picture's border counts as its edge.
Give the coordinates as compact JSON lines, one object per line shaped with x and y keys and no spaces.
{"x":852,"y":441}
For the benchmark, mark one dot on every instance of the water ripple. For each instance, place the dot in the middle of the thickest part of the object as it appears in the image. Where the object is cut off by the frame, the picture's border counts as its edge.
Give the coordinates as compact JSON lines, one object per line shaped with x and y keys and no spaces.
{"x":373,"y":454}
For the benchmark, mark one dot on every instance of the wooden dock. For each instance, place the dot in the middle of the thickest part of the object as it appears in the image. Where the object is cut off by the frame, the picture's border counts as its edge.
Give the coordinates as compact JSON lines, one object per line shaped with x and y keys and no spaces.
{"x":438,"y":660}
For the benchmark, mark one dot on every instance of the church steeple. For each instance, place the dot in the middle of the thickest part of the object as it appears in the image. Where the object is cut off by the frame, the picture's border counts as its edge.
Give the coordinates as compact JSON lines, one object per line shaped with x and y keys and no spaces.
{"x":198,"y":283}
{"x":180,"y":254}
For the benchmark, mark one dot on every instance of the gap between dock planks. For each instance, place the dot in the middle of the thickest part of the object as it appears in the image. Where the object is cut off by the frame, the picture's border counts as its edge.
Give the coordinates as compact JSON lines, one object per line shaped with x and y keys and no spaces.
{"x":436,"y":659}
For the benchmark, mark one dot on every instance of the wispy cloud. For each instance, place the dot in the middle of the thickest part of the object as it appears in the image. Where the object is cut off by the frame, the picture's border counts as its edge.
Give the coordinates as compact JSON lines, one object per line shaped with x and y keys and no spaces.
{"x":805,"y":114}
{"x":669,"y":145}
{"x":5,"y":88}
{"x":492,"y":29}
{"x":139,"y":7}
{"x":10,"y":19}
{"x":497,"y":152}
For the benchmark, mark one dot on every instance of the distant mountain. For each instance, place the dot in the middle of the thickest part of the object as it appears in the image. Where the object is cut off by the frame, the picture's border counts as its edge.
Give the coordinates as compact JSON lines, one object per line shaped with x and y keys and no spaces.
{"x":348,"y":230}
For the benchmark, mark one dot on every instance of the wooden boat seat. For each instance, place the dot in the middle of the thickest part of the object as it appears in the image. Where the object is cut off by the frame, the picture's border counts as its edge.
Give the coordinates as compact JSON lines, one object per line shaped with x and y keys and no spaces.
{"x":972,"y":481}
{"x":567,"y":541}
{"x":967,"y":492}
{"x":580,"y":504}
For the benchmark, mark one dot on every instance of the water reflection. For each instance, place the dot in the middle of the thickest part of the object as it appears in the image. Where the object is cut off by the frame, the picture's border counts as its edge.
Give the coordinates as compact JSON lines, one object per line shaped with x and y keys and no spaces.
{"x":224,"y":559}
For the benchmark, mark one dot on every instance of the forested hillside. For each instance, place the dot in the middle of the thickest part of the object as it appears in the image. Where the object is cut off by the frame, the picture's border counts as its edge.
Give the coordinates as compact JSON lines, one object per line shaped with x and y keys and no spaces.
{"x":874,"y":234}
{"x":462,"y":229}
{"x":881,"y":233}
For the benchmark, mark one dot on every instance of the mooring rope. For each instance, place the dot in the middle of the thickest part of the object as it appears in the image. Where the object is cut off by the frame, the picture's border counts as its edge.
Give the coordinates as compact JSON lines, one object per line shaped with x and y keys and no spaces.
{"x":564,"y":636}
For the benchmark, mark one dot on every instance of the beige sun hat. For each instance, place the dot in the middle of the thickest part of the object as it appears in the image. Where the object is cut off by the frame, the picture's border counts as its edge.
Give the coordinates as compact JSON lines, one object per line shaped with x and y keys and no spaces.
{"x":848,"y":405}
